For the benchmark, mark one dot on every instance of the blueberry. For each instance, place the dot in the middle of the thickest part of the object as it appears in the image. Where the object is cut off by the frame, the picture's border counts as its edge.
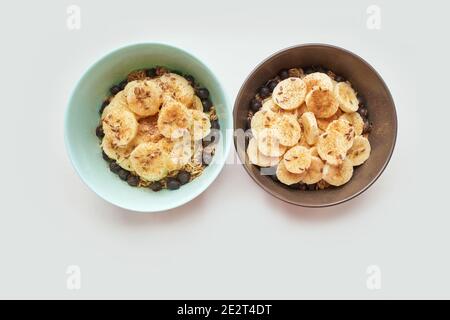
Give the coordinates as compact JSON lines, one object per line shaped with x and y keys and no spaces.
{"x":272,"y":84}
{"x":255,"y":105}
{"x":123,"y":174}
{"x":321,"y":69}
{"x":215,"y":124}
{"x":156,"y":186}
{"x":367,"y":127}
{"x":103,"y":106}
{"x":173,"y":184}
{"x":311,"y":187}
{"x":150,"y":72}
{"x":99,"y":132}
{"x":203,"y":93}
{"x":210,"y":138}
{"x":302,"y":186}
{"x":207,"y":104}
{"x":115,"y":89}
{"x":284,"y":74}
{"x":207,"y":157}
{"x":105,"y":157}
{"x":339,"y":78}
{"x":363,"y":112}
{"x":123,"y":84}
{"x":264,"y":92}
{"x":309,"y":70}
{"x":133,"y":180}
{"x":183,"y":177}
{"x":361,"y":100}
{"x":114,"y":167}
{"x":190,"y":79}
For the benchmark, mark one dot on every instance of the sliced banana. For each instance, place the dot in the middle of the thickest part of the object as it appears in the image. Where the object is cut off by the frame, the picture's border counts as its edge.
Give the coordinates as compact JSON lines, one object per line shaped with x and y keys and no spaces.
{"x":310,"y":128}
{"x":120,"y":154}
{"x":346,"y":97}
{"x":337,"y":175}
{"x":356,"y":120}
{"x":262,"y":119}
{"x":176,"y":87}
{"x":297,"y":159}
{"x":201,"y":125}
{"x":148,"y":130}
{"x":120,"y":125}
{"x":345,"y":128}
{"x":268,"y":104}
{"x":323,"y":123}
{"x":174,"y":119}
{"x":360,"y":151}
{"x":257,"y":158}
{"x":287,"y":177}
{"x":196,"y":104}
{"x":315,"y":171}
{"x":322,"y":102}
{"x":332,"y":147}
{"x":269,"y":144}
{"x":318,"y":80}
{"x":144,"y":97}
{"x":313,"y":151}
{"x":150,"y":161}
{"x":290,"y":93}
{"x":119,"y":101}
{"x":288,"y":130}
{"x":179,"y":151}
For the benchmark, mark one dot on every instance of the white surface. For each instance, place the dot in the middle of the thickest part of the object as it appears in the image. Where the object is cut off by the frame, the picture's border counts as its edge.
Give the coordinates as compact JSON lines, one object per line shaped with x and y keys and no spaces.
{"x":235,"y":240}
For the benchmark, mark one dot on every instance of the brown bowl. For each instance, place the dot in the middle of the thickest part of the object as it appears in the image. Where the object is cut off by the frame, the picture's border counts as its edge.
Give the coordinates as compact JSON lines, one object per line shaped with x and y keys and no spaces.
{"x":368,"y":84}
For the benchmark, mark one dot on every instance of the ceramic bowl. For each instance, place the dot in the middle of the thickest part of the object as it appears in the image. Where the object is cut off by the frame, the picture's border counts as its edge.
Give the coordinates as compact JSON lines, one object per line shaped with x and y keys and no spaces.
{"x":82,"y":117}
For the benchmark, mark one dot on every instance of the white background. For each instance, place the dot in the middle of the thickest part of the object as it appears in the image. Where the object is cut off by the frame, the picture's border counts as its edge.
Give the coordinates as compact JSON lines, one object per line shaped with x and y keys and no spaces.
{"x":235,"y":240}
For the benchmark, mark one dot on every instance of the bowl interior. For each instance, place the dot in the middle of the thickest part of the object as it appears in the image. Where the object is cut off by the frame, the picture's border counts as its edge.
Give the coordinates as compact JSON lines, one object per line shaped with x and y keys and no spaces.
{"x":368,"y":84}
{"x":82,"y":117}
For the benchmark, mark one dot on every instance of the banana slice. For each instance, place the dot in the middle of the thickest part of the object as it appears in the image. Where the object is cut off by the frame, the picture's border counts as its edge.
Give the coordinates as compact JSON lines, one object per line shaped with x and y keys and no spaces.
{"x":323,"y":123}
{"x":322,"y":102}
{"x":318,"y":80}
{"x":120,"y":125}
{"x":144,"y":97}
{"x":180,"y":152}
{"x":355,"y":119}
{"x":287,"y":177}
{"x":148,"y":130}
{"x":346,"y":97}
{"x":196,"y":104}
{"x":310,"y":128}
{"x":269,"y":105}
{"x":174,"y":119}
{"x":269,"y":144}
{"x":345,"y":128}
{"x":119,"y":101}
{"x":288,"y":130}
{"x":120,"y":154}
{"x":201,"y":125}
{"x":313,"y":151}
{"x":176,"y":87}
{"x":290,"y":93}
{"x":315,"y":171}
{"x":360,"y":151}
{"x":150,"y":161}
{"x":262,"y":119}
{"x":338,"y":175}
{"x":332,"y":147}
{"x":257,"y":158}
{"x":297,"y":159}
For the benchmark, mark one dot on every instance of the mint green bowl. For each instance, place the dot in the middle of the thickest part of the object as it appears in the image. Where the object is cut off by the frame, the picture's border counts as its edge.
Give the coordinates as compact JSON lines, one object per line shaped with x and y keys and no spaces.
{"x":82,"y":117}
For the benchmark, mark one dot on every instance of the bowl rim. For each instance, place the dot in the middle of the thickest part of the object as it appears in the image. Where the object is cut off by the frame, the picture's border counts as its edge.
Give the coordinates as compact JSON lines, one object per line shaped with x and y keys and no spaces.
{"x":328,"y":46}
{"x":218,"y":165}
